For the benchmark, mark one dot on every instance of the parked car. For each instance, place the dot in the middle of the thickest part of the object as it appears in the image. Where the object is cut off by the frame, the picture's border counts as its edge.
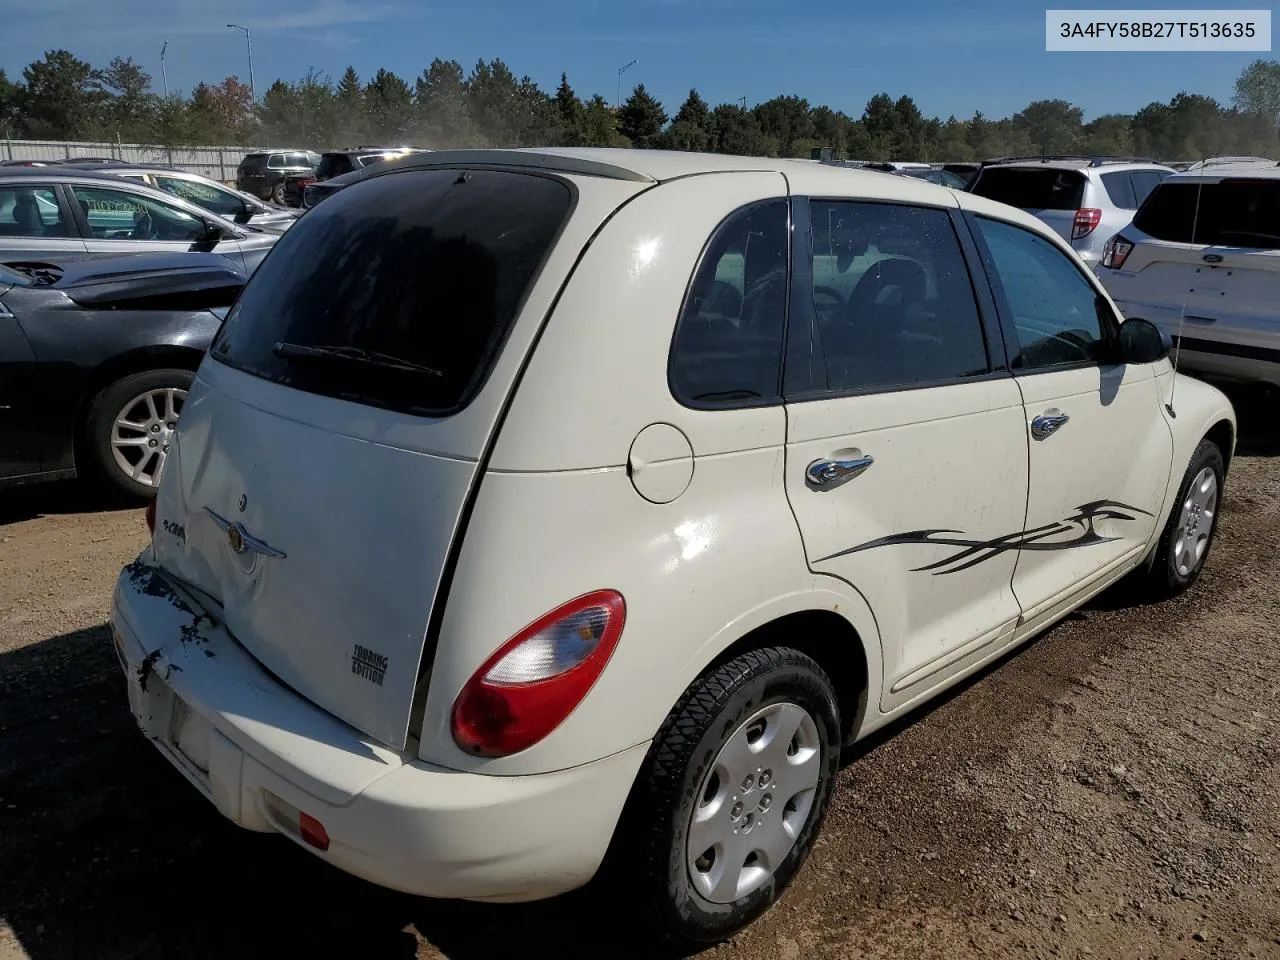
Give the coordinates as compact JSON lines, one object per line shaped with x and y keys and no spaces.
{"x":95,"y":361}
{"x":1201,"y":260}
{"x":206,"y":193}
{"x":1085,"y":199}
{"x":939,"y":176}
{"x":1233,"y":162}
{"x":520,"y":547}
{"x":263,"y":175}
{"x":965,"y":171}
{"x":315,"y":192}
{"x":71,"y":214}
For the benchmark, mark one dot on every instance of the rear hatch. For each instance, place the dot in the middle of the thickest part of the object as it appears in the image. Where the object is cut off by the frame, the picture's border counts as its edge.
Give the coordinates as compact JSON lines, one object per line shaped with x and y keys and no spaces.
{"x":333,"y":165}
{"x":328,"y":448}
{"x":1053,"y":194}
{"x":1211,"y":248}
{"x":252,"y":171}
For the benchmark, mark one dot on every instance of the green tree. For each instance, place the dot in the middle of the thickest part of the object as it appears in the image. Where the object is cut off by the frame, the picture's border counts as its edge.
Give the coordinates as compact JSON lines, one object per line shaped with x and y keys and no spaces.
{"x":787,"y":120}
{"x":1258,"y":90}
{"x":641,"y":118}
{"x":880,"y":120}
{"x":60,"y":96}
{"x":737,"y":131}
{"x":1109,"y":135}
{"x":600,"y":125}
{"x":389,"y":107}
{"x":1052,"y":126}
{"x":569,"y":111}
{"x":219,"y":114}
{"x":130,"y":108}
{"x":442,"y":103}
{"x":349,"y":118}
{"x":10,"y":105}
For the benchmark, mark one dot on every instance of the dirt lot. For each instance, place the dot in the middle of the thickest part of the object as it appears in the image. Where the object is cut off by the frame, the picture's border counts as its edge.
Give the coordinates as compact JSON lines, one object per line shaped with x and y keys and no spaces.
{"x":1111,"y":791}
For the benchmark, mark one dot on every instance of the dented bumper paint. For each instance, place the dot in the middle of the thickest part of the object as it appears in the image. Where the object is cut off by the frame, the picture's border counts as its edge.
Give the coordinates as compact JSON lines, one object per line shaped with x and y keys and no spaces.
{"x":241,"y":738}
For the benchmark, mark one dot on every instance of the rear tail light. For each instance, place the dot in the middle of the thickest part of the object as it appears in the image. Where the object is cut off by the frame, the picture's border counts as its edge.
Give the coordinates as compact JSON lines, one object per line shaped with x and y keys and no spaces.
{"x":1087,"y":220}
{"x":538,"y":677}
{"x":291,"y":820}
{"x":1116,"y":251}
{"x":151,"y":516}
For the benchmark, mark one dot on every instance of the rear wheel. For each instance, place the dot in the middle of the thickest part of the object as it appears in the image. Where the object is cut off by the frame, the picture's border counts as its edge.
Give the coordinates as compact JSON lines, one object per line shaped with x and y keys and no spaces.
{"x":732,"y":795}
{"x":277,"y":194}
{"x":1184,"y":545}
{"x":130,"y":425}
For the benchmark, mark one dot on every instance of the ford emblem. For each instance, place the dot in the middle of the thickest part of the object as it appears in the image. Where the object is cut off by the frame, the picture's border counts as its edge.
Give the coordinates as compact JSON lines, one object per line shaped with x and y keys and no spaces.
{"x":1212,"y":258}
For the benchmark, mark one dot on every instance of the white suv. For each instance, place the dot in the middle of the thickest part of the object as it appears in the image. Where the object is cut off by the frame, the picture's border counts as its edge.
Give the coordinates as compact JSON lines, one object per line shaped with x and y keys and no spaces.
{"x":1086,"y":200}
{"x":1202,"y":261}
{"x":536,"y":506}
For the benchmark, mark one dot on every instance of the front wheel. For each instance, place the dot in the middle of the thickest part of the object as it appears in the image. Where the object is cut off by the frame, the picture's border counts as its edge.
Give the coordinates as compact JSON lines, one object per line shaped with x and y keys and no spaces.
{"x":1184,"y":544}
{"x":130,"y":426}
{"x":732,"y":795}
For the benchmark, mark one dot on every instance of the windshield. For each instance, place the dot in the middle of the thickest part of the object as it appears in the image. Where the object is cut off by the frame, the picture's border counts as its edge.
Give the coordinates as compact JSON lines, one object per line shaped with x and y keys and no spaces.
{"x":1233,"y":212}
{"x":1031,"y":188}
{"x":400,"y":292}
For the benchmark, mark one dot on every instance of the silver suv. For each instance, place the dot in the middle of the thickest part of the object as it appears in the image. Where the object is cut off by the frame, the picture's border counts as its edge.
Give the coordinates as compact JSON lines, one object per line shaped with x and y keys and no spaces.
{"x":1085,"y":199}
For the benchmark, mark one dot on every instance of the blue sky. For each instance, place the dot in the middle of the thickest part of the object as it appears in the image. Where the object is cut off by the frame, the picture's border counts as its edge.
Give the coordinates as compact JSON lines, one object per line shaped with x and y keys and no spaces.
{"x":950,"y":59}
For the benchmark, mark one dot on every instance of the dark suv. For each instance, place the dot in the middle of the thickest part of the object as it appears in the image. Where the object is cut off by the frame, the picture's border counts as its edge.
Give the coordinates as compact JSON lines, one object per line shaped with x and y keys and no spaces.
{"x":265,"y":174}
{"x":337,"y":164}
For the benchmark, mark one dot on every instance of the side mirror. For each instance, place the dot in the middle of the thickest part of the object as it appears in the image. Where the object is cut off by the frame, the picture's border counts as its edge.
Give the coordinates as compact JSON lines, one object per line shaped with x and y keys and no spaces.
{"x":213,"y":235}
{"x":245,"y":213}
{"x":1141,"y":341}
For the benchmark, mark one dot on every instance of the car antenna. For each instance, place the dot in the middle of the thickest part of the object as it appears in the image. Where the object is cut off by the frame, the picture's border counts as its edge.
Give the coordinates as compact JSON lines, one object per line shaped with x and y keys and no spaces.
{"x":1182,"y":317}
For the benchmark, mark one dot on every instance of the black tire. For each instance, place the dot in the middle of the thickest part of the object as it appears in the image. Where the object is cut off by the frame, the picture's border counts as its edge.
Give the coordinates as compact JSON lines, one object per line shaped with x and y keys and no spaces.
{"x":648,"y":857}
{"x":1163,"y":579}
{"x":277,"y":194}
{"x":115,"y":399}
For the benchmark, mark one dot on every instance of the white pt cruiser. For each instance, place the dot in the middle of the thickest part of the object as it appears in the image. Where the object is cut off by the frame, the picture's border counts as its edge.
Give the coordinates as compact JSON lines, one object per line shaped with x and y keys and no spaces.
{"x":539,"y":511}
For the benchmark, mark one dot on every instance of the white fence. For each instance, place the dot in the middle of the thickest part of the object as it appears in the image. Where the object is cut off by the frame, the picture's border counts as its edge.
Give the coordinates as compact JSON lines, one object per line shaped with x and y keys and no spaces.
{"x":217,"y":162}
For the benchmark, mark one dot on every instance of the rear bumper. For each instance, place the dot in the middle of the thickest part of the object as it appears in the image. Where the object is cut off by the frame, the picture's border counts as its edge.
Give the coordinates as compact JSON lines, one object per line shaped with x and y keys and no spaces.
{"x":243,"y":740}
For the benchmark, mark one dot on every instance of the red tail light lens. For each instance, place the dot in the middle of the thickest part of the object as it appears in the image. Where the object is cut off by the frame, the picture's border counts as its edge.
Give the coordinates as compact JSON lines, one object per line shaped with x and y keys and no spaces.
{"x":1116,"y":252}
{"x":151,"y":516}
{"x":538,"y":677}
{"x":1087,"y":220}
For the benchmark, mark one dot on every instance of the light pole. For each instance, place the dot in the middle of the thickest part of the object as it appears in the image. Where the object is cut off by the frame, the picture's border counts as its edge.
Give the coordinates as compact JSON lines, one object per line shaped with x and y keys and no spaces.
{"x":253,"y":97}
{"x":164,"y":74}
{"x":621,"y":70}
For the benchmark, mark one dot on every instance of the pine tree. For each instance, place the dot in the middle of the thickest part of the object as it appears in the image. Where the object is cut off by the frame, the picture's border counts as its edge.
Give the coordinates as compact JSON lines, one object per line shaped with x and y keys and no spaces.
{"x":641,"y":118}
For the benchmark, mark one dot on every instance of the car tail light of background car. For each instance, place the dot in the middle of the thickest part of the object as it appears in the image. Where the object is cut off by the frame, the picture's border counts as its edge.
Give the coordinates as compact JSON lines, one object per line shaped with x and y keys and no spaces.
{"x":1116,"y":251}
{"x":1087,"y":220}
{"x":536,"y":679}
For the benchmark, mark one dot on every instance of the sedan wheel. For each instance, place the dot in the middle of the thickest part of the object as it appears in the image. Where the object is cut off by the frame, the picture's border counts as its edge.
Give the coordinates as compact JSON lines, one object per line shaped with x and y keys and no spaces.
{"x":130,"y":428}
{"x":1184,"y":544}
{"x":142,"y":430}
{"x":1199,"y":512}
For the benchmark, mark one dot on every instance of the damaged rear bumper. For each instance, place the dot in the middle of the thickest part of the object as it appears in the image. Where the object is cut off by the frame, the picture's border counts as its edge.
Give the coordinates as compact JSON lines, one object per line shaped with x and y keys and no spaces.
{"x":254,"y":748}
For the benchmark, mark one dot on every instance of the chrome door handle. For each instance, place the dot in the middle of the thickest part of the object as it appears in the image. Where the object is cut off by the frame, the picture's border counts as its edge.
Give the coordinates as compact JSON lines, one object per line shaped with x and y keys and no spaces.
{"x":829,"y":474}
{"x":1047,"y":424}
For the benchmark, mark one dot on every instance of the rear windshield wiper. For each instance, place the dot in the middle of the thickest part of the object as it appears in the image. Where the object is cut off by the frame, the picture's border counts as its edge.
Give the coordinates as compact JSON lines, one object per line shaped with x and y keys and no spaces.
{"x":298,"y":351}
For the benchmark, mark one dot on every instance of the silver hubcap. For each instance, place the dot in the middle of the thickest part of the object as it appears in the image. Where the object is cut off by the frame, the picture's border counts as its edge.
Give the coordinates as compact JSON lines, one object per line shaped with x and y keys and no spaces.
{"x":754,"y":802}
{"x":1195,"y":526}
{"x":142,"y":430}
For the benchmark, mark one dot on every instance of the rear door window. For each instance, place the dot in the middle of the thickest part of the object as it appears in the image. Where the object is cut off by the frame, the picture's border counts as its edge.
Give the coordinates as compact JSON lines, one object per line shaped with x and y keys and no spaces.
{"x":1232,"y":212}
{"x":400,"y":292}
{"x":30,"y":212}
{"x":728,"y":342}
{"x":1031,"y":188}
{"x":120,"y":215}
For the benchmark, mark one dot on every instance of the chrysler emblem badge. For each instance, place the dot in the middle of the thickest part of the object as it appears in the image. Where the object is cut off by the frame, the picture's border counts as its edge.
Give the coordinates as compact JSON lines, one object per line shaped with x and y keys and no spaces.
{"x":236,"y":540}
{"x":241,"y":540}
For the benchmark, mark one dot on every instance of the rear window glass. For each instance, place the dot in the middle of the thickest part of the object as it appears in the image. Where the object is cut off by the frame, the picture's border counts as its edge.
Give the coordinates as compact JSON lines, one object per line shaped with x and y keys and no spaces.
{"x":1044,"y":188}
{"x":333,"y":165}
{"x":401,"y":291}
{"x":255,"y":161}
{"x":1239,"y":213}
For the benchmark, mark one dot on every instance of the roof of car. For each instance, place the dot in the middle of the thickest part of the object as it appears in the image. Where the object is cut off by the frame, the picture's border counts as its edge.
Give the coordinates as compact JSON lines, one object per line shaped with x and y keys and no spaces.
{"x":63,"y":172}
{"x":1213,"y":174}
{"x":1102,"y":164}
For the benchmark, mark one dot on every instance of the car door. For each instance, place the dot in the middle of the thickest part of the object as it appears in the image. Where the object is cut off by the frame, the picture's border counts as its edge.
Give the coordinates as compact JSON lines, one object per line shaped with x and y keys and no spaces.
{"x":21,"y":424}
{"x":1100,"y":451}
{"x":906,"y":461}
{"x":119,"y":221}
{"x":36,"y":224}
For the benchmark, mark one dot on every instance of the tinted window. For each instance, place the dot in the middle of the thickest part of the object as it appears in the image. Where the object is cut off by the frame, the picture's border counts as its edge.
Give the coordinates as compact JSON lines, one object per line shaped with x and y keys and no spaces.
{"x":30,"y":212}
{"x":275,"y":161}
{"x":254,"y":163}
{"x":425,"y":270}
{"x":728,"y":342}
{"x":892,"y":297}
{"x":297,"y":160}
{"x":214,"y":199}
{"x":119,"y":215}
{"x":1144,"y":181}
{"x":1038,"y":188}
{"x":333,"y":165}
{"x":1239,"y":212}
{"x":1120,"y":189}
{"x":1054,"y":309}
{"x":371,"y":159}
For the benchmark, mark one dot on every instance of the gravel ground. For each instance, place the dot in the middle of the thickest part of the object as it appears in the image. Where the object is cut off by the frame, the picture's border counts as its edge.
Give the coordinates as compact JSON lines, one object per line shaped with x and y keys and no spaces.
{"x":1111,"y":790}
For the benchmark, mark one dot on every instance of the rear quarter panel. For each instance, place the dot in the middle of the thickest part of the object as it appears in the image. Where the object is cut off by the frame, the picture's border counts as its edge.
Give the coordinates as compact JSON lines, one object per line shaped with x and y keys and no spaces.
{"x":557,"y":515}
